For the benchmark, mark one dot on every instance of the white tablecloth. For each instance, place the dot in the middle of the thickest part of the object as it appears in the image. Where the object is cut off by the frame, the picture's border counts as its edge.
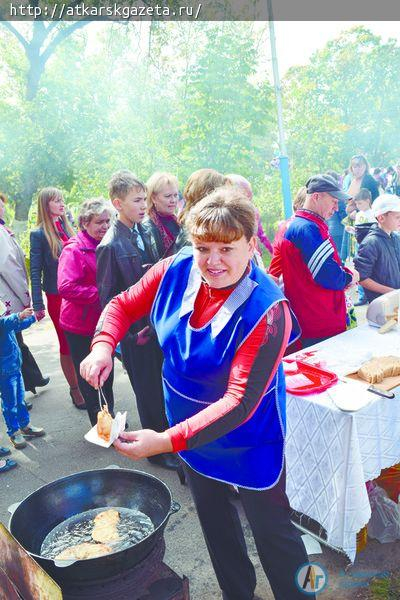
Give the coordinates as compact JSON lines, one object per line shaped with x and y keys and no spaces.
{"x":330,"y":454}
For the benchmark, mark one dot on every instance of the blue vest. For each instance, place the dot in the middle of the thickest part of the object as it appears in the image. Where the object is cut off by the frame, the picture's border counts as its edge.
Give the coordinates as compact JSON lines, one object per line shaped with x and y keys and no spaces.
{"x":196,"y":372}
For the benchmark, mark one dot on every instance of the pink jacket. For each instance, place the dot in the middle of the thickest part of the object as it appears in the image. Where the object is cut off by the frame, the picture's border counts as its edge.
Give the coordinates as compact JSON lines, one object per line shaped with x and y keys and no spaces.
{"x":262,"y":236}
{"x":80,"y":306}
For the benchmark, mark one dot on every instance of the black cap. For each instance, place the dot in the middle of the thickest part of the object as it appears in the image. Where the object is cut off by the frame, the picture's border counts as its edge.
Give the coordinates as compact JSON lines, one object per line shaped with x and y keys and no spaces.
{"x":326,"y":183}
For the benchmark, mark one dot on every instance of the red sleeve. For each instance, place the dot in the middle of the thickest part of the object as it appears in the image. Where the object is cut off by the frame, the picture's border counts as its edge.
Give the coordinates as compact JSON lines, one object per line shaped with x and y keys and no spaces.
{"x":129,"y":306}
{"x":275,"y":267}
{"x":252,"y":370}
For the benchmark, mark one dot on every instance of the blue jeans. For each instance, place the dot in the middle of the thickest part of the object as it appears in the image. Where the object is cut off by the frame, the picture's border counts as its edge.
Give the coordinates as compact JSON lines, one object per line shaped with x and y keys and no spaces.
{"x":12,"y":393}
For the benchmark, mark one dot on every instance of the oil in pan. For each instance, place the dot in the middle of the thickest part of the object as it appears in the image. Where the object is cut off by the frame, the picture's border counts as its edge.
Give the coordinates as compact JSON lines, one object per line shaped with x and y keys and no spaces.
{"x":96,"y":532}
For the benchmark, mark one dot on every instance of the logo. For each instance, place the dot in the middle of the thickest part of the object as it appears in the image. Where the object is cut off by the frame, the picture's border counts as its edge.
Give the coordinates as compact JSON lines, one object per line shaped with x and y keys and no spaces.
{"x":311,"y":578}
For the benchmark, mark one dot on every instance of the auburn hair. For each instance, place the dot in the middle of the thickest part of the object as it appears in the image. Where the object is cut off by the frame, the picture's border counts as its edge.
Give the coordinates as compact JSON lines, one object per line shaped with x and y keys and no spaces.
{"x":198,"y":186}
{"x":225,"y":215}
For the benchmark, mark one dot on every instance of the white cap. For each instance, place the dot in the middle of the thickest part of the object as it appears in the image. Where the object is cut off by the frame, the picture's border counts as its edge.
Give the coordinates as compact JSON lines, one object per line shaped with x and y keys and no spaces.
{"x":3,"y":308}
{"x":385,"y":203}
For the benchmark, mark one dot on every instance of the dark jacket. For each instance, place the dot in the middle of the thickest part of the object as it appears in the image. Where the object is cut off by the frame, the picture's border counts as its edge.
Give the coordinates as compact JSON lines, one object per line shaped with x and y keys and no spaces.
{"x":370,"y":184}
{"x":378,"y":258}
{"x":335,"y":224}
{"x":120,"y":262}
{"x":181,"y":241}
{"x":175,"y":229}
{"x":43,"y":268}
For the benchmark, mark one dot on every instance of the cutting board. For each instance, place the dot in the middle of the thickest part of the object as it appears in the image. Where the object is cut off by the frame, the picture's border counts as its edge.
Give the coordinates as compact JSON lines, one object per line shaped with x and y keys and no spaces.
{"x":20,"y":572}
{"x":389,"y":383}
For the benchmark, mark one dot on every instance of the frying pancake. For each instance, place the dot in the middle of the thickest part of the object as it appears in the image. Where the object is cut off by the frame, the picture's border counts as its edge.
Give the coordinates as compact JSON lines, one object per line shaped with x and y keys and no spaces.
{"x":104,"y":423}
{"x":105,"y":526}
{"x":83,"y":551}
{"x":107,"y":516}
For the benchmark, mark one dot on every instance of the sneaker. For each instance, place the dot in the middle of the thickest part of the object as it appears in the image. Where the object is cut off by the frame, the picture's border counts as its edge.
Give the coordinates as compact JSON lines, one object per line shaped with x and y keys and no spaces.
{"x":7,"y":465}
{"x":18,"y":440}
{"x":4,"y":451}
{"x":31,"y":431}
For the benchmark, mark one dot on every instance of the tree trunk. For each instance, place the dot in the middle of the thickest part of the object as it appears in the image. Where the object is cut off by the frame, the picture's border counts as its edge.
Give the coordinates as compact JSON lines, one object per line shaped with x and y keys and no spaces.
{"x":38,"y":49}
{"x":23,"y":199}
{"x":35,"y":72}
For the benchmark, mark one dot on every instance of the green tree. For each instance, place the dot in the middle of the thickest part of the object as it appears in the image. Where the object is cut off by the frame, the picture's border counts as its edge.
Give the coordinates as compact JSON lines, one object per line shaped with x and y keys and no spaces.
{"x":38,"y":44}
{"x":226,"y":117}
{"x":343,"y":102}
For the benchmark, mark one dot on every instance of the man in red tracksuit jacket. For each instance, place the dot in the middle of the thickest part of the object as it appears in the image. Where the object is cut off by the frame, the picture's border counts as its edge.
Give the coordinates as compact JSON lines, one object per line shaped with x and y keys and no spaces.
{"x":308,"y":261}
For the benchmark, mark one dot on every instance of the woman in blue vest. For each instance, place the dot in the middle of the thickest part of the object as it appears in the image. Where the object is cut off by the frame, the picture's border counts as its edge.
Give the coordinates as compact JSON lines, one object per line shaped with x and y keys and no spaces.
{"x":223,"y":326}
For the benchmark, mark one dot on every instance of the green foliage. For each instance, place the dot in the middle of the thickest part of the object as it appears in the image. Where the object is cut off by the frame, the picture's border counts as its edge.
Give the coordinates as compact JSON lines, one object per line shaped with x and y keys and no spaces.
{"x":181,"y":96}
{"x":344,"y":102}
{"x":225,"y":120}
{"x":385,"y":589}
{"x":186,"y":100}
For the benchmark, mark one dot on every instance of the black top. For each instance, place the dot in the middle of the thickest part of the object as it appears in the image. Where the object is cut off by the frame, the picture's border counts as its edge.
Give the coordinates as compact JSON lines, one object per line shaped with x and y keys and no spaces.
{"x":370,"y":184}
{"x":121,"y":263}
{"x":378,"y":258}
{"x":43,"y":268}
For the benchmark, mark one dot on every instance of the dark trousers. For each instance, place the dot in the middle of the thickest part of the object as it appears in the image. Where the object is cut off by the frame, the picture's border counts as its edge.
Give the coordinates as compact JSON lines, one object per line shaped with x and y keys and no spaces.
{"x":79,"y":346}
{"x":279,"y":544}
{"x":30,"y":371}
{"x":143,"y":365}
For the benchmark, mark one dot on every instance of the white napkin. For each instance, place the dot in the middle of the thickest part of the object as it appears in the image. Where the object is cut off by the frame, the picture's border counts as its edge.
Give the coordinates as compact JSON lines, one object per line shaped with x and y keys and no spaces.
{"x":117,"y":427}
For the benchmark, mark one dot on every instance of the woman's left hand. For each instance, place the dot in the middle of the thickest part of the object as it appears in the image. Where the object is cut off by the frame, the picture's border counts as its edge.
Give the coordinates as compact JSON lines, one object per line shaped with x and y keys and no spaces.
{"x":143,"y":443}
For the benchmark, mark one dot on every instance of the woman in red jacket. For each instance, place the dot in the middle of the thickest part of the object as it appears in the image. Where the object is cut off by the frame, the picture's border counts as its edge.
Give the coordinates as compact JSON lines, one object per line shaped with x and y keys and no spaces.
{"x":223,"y":326}
{"x":80,"y":306}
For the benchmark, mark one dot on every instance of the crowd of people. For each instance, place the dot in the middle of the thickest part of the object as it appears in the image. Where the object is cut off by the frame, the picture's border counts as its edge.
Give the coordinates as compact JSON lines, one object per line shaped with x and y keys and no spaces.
{"x":177,"y":282}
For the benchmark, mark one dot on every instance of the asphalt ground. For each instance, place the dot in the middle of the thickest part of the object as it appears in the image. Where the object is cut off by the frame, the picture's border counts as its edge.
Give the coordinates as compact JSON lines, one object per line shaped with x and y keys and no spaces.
{"x":64,"y":451}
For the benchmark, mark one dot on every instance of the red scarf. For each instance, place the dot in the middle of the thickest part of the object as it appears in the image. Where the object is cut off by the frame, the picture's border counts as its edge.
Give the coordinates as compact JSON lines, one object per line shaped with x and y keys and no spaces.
{"x":61,"y":232}
{"x":167,"y":237}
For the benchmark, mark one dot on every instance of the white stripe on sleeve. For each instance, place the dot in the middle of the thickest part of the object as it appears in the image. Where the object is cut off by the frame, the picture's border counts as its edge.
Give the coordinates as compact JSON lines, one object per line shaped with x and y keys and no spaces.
{"x":321,"y":261}
{"x":321,"y":249}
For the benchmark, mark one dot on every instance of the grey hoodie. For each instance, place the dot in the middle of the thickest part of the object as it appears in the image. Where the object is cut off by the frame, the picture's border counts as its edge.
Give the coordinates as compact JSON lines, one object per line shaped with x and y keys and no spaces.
{"x":14,"y":291}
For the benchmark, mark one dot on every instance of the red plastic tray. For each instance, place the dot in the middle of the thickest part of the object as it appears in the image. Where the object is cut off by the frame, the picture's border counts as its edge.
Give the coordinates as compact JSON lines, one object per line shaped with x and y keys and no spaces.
{"x":307,"y":379}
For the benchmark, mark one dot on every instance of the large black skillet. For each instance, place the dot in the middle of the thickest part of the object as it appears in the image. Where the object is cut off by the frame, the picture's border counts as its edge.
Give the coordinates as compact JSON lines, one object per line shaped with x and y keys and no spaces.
{"x":55,"y":502}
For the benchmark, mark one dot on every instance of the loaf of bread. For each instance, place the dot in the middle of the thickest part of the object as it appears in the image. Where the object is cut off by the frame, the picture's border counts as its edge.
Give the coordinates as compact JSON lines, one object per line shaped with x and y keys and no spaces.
{"x":376,"y":369}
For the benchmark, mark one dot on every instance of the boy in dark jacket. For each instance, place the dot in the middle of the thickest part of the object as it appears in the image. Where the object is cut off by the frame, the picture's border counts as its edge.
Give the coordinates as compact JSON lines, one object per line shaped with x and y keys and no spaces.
{"x":12,"y":389}
{"x":378,"y":257}
{"x":123,"y":256}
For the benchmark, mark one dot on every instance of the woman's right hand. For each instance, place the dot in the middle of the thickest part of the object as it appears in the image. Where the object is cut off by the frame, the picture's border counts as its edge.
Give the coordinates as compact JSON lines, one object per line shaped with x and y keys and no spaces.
{"x":96,"y":367}
{"x":40,"y":314}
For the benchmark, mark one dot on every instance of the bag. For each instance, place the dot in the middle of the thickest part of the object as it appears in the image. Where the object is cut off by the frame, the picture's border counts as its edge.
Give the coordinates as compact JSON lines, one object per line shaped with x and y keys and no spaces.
{"x":351,"y":317}
{"x":389,"y":480}
{"x":384,"y":524}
